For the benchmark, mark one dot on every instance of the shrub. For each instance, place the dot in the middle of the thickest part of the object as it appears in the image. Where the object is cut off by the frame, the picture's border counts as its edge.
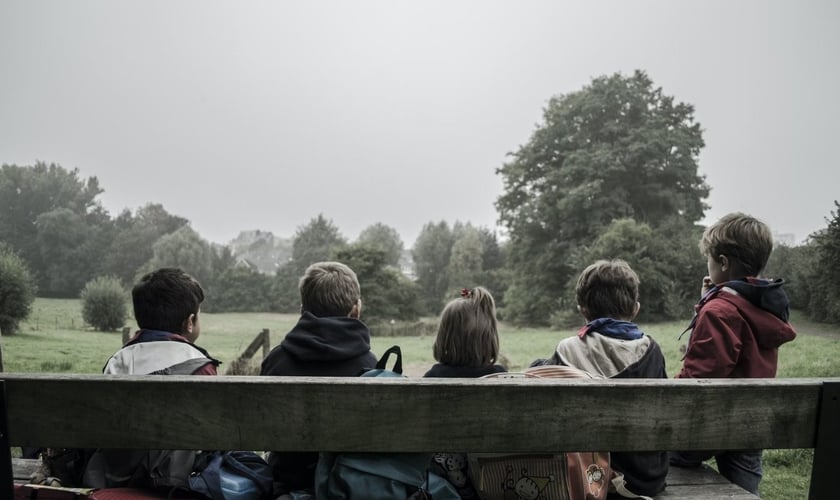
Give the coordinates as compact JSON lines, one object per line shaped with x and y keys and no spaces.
{"x":104,"y":303}
{"x":17,"y":290}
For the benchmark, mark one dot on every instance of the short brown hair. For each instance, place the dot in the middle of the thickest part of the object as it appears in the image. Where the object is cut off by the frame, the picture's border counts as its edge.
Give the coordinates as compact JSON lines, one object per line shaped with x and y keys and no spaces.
{"x":741,"y":237}
{"x":329,"y":289}
{"x":608,"y":289}
{"x":165,"y":298}
{"x":468,"y":334}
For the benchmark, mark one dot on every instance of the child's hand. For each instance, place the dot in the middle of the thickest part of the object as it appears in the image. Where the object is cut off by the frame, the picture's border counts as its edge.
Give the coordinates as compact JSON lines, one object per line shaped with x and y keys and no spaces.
{"x":707,"y":285}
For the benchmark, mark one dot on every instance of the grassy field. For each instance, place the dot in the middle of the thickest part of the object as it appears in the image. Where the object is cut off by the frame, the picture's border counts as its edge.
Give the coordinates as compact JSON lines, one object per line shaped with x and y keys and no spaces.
{"x":55,"y":340}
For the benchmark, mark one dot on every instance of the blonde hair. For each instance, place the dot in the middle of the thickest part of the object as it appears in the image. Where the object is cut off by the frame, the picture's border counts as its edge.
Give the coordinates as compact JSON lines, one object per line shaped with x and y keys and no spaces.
{"x":329,"y":289}
{"x":608,"y":289}
{"x":744,"y":239}
{"x":468,"y":334}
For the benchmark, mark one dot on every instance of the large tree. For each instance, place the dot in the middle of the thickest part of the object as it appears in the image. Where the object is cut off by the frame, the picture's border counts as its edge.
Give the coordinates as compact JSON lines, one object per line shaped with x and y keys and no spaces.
{"x":618,"y":148}
{"x":385,"y":238}
{"x":51,"y":217}
{"x":131,"y":246}
{"x":824,"y":300}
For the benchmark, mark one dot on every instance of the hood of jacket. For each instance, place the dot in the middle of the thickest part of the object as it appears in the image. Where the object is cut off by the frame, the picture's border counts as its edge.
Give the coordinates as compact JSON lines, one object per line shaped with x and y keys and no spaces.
{"x":764,"y":296}
{"x":606,"y":356}
{"x":327,"y":339}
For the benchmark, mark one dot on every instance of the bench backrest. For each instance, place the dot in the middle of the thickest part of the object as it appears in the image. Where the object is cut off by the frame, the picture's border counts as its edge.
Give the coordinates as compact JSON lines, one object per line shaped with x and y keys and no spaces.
{"x":391,"y":415}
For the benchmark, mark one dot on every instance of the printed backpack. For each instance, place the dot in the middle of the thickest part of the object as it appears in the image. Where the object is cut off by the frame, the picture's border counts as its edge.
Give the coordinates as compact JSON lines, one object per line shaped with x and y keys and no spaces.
{"x":380,"y":476}
{"x":549,"y":476}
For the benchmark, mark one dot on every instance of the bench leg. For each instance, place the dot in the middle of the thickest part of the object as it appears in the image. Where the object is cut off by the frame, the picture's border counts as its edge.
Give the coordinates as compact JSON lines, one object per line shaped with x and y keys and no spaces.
{"x":7,"y":484}
{"x":827,"y":448}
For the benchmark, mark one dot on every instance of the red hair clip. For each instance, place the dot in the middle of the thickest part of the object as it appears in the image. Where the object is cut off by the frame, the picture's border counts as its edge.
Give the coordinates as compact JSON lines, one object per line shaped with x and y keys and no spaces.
{"x":466,"y":292}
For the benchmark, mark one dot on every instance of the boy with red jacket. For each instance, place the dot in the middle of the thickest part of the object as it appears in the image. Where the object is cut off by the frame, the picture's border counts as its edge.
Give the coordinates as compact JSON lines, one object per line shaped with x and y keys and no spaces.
{"x":740,"y":322}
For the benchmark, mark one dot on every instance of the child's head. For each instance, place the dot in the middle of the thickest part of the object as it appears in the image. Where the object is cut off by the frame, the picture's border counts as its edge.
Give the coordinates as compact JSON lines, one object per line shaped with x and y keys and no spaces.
{"x":468,"y":333}
{"x":330,"y":289}
{"x":608,"y":289}
{"x":168,"y":300}
{"x":736,"y":246}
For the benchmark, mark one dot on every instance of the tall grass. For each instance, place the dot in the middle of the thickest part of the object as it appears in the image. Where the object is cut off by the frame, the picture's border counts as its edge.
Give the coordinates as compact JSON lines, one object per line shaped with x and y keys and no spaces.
{"x":55,"y":340}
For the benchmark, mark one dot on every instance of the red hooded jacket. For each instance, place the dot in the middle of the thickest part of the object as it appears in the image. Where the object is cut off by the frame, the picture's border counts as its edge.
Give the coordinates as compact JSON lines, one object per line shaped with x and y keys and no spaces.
{"x":737,"y":331}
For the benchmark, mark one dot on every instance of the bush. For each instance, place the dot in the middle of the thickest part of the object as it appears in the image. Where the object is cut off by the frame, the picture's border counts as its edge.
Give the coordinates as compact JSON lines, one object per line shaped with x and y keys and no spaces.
{"x":17,"y":290}
{"x":104,"y":303}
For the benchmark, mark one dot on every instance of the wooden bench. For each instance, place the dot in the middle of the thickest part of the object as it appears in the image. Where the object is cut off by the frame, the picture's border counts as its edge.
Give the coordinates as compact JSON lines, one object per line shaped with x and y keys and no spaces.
{"x":426,"y":415}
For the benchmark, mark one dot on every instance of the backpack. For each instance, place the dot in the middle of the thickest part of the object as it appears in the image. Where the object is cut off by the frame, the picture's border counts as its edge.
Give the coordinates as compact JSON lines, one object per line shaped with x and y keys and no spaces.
{"x":119,"y":468}
{"x":232,"y":475}
{"x":380,"y":476}
{"x":549,"y":476}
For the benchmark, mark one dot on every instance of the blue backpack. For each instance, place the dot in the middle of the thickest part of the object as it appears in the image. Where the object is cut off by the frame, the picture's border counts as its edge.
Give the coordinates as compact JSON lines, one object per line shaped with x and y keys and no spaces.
{"x":232,"y":475}
{"x":380,"y":476}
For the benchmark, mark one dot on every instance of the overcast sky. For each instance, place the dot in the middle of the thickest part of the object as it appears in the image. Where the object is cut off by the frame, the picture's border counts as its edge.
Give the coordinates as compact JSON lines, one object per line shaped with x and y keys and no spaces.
{"x":260,"y":115}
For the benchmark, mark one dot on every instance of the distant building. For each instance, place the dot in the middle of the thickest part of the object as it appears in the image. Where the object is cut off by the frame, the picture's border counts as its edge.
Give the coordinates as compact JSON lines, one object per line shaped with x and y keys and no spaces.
{"x":786,"y":239}
{"x":406,"y":265}
{"x":261,"y":250}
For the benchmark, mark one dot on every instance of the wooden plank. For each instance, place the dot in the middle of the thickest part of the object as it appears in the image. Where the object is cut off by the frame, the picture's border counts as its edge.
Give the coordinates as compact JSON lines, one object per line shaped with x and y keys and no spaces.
{"x":23,"y":468}
{"x":827,"y":449}
{"x":705,"y":492}
{"x":506,"y":415}
{"x":694,"y":476}
{"x":697,"y":483}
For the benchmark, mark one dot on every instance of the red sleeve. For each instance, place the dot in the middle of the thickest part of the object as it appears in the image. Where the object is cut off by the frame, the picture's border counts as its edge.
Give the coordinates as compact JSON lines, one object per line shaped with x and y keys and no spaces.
{"x":208,"y":369}
{"x":714,"y":345}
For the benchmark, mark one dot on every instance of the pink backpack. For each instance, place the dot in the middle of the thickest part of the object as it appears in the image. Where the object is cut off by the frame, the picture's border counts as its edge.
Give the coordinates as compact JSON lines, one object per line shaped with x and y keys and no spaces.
{"x":550,"y":476}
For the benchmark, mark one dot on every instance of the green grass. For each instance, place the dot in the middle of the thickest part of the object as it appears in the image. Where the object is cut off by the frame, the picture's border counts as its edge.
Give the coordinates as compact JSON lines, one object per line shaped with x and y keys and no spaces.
{"x":55,"y":340}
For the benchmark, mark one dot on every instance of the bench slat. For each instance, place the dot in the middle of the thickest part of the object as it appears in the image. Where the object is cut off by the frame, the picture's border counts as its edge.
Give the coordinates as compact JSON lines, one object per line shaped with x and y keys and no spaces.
{"x":505,"y":415}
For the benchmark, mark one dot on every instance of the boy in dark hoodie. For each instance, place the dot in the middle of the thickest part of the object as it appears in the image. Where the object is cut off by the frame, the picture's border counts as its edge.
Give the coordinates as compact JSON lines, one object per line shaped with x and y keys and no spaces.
{"x":610,"y":345}
{"x":327,"y":341}
{"x":740,"y":322}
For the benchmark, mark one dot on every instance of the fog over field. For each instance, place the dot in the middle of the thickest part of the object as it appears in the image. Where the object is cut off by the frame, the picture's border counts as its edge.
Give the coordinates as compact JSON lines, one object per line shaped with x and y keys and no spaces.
{"x":260,"y":115}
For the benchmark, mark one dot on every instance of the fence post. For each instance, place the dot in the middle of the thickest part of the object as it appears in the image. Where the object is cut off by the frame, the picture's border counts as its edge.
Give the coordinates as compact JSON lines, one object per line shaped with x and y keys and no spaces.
{"x":1,"y":350}
{"x":266,"y":342}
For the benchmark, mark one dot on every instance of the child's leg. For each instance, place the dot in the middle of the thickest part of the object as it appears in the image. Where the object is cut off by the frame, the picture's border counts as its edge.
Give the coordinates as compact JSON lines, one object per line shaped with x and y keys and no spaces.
{"x":742,"y":468}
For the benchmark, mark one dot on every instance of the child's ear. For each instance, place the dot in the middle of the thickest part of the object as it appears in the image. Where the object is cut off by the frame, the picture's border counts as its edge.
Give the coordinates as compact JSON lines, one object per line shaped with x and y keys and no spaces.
{"x":636,"y":310}
{"x":356,"y":312}
{"x":189,"y":324}
{"x":583,"y":311}
{"x":723,"y":260}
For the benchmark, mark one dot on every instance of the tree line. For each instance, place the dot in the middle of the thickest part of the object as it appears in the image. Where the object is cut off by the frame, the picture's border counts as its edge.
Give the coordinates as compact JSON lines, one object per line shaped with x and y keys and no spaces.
{"x":610,"y":172}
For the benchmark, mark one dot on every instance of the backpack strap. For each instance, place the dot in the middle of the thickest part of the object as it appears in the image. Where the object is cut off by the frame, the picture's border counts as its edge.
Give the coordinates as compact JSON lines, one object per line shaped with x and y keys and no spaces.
{"x":382,"y":364}
{"x":619,"y":485}
{"x":235,"y":460}
{"x":183,"y":368}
